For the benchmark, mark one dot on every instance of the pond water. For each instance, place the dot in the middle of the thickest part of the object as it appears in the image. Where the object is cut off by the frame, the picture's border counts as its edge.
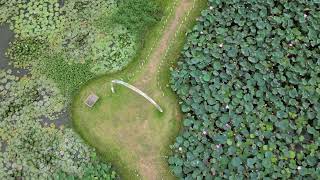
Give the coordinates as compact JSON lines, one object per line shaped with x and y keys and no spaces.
{"x":61,"y":119}
{"x":6,"y":36}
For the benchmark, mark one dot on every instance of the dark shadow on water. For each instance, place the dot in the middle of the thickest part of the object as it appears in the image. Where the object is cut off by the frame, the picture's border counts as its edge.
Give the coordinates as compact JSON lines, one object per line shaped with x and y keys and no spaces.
{"x":61,"y":3}
{"x":3,"y":146}
{"x":60,"y":119}
{"x":6,"y":36}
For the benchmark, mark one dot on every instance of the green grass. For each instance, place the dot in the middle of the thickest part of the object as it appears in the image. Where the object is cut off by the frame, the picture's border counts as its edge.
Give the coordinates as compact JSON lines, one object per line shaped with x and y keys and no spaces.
{"x":124,"y":128}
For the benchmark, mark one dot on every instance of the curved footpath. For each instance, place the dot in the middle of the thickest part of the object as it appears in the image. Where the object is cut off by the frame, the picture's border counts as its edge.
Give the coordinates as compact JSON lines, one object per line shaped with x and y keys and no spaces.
{"x":158,"y":54}
{"x":126,"y":129}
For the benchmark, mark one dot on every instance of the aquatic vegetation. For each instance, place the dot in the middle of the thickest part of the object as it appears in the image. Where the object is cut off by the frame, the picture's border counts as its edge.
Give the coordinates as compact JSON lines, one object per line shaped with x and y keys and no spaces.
{"x":31,"y":149}
{"x":248,"y":81}
{"x":62,"y":44}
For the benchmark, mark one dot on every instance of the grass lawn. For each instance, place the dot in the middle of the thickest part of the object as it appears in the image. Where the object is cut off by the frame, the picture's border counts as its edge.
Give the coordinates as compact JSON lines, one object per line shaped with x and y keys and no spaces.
{"x":125,"y":128}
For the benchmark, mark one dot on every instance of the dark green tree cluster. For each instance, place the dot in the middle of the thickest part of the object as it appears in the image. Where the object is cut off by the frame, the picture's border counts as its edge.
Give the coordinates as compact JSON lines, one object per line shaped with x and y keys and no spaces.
{"x":249,"y":83}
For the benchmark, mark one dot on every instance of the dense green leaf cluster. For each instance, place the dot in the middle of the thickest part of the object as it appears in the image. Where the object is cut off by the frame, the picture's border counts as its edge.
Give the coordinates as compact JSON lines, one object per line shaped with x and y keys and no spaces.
{"x":30,"y":148}
{"x":113,"y":52}
{"x":19,"y":96}
{"x":68,"y":77}
{"x":95,"y":171}
{"x":80,"y":35}
{"x":29,"y":53}
{"x":72,"y":29}
{"x":33,"y":18}
{"x":24,"y":52}
{"x":136,"y":15}
{"x":249,"y":83}
{"x":63,"y":44}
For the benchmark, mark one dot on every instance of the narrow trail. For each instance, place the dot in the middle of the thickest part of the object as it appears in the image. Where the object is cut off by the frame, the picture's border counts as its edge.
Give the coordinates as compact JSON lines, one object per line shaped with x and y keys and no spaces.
{"x":148,"y":168}
{"x":158,"y":53}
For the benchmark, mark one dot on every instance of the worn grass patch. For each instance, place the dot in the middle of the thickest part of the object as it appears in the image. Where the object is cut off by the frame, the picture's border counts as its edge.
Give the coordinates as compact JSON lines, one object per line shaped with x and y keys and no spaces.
{"x":124,"y":127}
{"x":129,"y":123}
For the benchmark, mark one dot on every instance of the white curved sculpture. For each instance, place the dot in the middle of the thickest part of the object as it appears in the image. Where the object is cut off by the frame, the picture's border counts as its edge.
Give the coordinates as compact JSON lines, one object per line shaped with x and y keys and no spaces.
{"x":135,"y":90}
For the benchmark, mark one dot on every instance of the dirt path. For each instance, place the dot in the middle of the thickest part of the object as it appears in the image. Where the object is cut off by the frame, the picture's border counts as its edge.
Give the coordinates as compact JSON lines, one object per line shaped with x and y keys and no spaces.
{"x":125,"y":126}
{"x":148,"y":168}
{"x":158,"y":53}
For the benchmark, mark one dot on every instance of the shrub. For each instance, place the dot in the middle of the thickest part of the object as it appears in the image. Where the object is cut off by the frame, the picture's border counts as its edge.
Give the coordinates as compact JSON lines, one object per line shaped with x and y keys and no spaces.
{"x":249,"y":84}
{"x":113,"y":52}
{"x":137,"y":15}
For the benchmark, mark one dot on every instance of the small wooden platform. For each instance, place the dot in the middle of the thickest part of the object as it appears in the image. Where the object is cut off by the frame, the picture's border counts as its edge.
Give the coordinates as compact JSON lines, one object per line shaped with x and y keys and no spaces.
{"x":91,"y":100}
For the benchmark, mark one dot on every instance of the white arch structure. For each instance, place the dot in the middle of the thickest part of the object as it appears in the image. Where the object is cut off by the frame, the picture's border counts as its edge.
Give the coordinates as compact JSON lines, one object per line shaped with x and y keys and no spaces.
{"x":135,"y":90}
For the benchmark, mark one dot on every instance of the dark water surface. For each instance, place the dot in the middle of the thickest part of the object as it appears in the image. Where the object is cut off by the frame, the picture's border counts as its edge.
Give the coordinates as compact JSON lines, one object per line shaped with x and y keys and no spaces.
{"x":5,"y":37}
{"x":61,"y":119}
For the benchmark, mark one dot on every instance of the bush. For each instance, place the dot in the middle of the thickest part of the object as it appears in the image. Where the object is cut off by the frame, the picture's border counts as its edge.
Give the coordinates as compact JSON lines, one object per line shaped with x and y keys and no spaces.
{"x":114,"y":52}
{"x":137,"y":15}
{"x":249,"y":83}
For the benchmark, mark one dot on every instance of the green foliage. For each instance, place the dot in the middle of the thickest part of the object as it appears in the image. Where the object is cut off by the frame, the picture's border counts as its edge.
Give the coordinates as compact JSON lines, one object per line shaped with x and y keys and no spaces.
{"x":69,"y":77}
{"x":113,"y":52}
{"x":5,"y":11}
{"x":63,"y":44}
{"x":95,"y":171}
{"x":103,"y":33}
{"x":29,"y":53}
{"x":70,"y":30}
{"x":79,"y":34}
{"x":137,"y":15}
{"x":32,"y":18}
{"x":33,"y":150}
{"x":249,"y":82}
{"x":18,"y":96}
{"x":22,"y":52}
